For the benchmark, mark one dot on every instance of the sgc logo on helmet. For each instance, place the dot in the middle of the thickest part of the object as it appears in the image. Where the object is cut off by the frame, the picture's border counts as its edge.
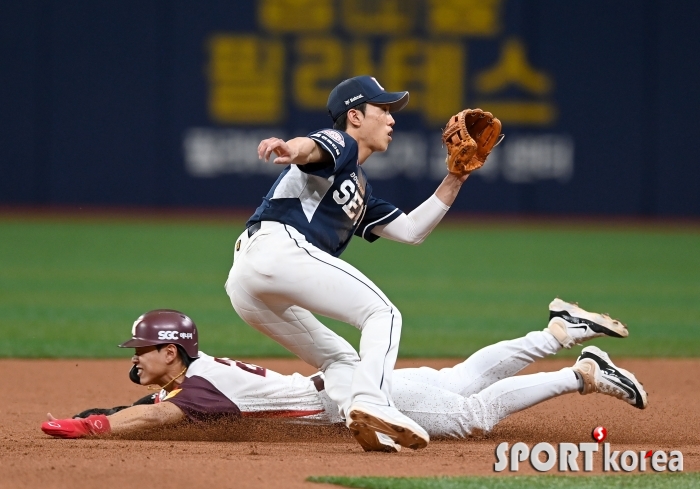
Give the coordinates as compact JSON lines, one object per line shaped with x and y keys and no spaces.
{"x":164,"y":326}
{"x":168,"y":335}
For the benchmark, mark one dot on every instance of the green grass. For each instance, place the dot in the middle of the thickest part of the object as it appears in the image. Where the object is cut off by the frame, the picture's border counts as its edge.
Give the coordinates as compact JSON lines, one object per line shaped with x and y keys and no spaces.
{"x":639,"y":481}
{"x":73,"y":288}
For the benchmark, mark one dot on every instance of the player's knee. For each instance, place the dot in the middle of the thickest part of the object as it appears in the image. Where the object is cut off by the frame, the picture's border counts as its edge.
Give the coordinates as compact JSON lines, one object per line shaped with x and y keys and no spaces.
{"x":480,"y":416}
{"x":385,"y":313}
{"x":474,"y":426}
{"x":398,"y":319}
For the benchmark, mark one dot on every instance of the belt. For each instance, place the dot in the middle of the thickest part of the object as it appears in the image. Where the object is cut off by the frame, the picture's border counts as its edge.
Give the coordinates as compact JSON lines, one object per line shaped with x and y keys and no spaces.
{"x":318,"y":382}
{"x":254,"y":228}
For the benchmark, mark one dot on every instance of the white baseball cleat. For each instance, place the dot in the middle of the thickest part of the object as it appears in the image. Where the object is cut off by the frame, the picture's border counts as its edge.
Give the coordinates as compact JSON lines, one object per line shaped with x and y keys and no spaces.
{"x":375,"y":427}
{"x":600,"y":375}
{"x":372,"y":441}
{"x":571,"y":325}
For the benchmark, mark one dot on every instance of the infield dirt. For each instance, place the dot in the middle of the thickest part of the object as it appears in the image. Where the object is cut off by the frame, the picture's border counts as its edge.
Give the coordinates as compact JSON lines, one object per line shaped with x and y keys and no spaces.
{"x":270,"y":454}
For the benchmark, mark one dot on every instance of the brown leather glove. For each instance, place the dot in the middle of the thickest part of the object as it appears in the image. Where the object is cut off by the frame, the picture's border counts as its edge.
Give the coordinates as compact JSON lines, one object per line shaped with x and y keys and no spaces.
{"x":469,"y":137}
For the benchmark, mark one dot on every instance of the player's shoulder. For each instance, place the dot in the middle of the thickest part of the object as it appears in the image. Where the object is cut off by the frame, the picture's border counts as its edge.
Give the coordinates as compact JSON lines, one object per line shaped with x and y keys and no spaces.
{"x":335,"y":141}
{"x":203,"y":363}
{"x":205,"y":357}
{"x":340,"y":137}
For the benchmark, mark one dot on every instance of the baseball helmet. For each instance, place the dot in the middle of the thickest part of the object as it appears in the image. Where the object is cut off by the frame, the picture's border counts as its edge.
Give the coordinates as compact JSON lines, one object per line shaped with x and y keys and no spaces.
{"x":164,"y":326}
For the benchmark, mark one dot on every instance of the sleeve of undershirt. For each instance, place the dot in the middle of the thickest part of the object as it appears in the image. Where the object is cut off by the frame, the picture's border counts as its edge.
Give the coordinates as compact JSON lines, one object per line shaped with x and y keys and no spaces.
{"x":414,"y":227}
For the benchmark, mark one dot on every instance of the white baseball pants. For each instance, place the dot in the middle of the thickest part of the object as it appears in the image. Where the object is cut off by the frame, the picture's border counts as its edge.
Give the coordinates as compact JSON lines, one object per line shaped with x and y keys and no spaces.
{"x":472,"y":397}
{"x":278,"y":280}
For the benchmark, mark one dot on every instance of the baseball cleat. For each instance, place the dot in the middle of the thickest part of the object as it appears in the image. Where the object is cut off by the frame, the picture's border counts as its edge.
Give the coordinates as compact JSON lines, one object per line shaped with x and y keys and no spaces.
{"x":571,"y":325}
{"x":372,"y":441}
{"x":600,"y":375}
{"x":374,"y":426}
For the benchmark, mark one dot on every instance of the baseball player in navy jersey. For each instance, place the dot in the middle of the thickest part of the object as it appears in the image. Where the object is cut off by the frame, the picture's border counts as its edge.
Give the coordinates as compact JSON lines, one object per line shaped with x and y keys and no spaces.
{"x":286,"y":265}
{"x":469,"y":398}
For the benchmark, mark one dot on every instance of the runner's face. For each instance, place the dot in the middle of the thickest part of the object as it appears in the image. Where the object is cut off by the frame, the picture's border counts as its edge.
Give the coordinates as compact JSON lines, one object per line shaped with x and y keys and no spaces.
{"x":150,"y":364}
{"x":377,"y":127}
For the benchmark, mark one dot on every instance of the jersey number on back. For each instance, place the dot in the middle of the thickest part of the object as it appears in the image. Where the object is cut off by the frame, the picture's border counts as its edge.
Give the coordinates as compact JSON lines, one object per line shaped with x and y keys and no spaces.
{"x":248,"y":367}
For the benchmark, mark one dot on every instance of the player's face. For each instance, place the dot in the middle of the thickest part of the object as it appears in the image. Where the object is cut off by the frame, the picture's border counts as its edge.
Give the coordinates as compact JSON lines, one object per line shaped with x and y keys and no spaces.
{"x":377,"y":127}
{"x":150,"y":364}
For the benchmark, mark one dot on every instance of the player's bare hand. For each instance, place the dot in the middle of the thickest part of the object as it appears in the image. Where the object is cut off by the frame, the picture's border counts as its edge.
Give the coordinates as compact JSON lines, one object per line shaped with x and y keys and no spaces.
{"x":285,"y":153}
{"x":49,"y":417}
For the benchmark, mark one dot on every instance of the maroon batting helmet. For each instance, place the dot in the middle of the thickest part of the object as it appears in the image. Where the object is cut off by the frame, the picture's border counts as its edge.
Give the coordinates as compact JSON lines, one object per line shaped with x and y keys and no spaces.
{"x":164,"y":326}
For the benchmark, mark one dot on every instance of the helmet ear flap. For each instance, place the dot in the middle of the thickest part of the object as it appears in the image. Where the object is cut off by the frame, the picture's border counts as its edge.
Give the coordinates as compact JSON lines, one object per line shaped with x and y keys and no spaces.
{"x":134,"y":375}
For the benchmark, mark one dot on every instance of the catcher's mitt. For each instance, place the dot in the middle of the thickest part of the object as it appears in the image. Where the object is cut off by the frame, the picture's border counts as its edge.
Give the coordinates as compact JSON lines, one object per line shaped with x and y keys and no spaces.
{"x":469,"y":137}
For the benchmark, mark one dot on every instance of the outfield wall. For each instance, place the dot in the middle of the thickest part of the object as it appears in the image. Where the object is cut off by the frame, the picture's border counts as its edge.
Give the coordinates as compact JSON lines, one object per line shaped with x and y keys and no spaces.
{"x":163,"y":103}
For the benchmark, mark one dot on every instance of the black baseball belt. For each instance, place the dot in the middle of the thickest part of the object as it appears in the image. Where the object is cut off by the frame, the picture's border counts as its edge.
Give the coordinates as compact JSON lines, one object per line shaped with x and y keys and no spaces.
{"x":254,"y":228}
{"x":318,"y":382}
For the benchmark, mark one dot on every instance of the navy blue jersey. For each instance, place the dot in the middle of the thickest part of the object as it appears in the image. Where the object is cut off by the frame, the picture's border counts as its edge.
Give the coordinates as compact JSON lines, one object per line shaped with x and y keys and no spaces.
{"x":325,"y":202}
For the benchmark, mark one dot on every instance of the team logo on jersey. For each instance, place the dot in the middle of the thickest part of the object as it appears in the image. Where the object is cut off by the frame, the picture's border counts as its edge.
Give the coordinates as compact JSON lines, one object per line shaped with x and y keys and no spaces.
{"x":352,"y":197}
{"x":328,"y":142}
{"x":335,"y":136}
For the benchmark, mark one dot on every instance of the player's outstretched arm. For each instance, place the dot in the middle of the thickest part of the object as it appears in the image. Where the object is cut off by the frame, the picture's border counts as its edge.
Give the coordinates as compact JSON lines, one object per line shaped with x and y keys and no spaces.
{"x":134,"y":418}
{"x":449,"y":188}
{"x":414,"y":227}
{"x":143,"y":417}
{"x":297,"y":151}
